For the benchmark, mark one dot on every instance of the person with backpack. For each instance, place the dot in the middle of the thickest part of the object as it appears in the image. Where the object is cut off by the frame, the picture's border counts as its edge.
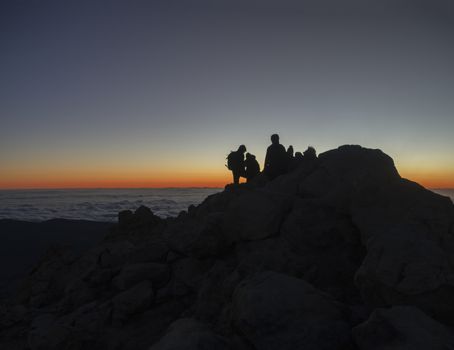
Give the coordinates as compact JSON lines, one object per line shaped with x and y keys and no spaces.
{"x":252,"y":167}
{"x":235,"y":163}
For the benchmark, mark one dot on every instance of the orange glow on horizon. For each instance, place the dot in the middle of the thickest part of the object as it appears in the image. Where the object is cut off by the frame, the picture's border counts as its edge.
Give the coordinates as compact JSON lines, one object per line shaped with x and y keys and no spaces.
{"x":116,"y":182}
{"x":145,"y":178}
{"x":430,"y":180}
{"x":219,"y":181}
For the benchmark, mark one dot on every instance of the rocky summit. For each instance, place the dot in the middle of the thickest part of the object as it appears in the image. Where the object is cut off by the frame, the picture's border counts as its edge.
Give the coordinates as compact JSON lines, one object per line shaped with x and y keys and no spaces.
{"x":341,"y":253}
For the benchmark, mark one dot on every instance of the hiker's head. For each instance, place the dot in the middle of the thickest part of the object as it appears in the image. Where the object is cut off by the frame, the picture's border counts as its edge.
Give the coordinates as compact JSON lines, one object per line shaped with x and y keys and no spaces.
{"x":275,"y":138}
{"x":290,"y":150}
{"x":242,"y":148}
{"x":250,"y":156}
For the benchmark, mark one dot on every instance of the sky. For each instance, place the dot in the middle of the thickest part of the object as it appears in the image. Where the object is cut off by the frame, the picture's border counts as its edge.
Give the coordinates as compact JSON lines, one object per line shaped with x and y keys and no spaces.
{"x":135,"y":93}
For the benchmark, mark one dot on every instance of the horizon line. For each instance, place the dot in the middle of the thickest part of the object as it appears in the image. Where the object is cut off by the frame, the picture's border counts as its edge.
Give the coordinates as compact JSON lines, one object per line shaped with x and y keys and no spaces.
{"x":108,"y":188}
{"x":144,"y":188}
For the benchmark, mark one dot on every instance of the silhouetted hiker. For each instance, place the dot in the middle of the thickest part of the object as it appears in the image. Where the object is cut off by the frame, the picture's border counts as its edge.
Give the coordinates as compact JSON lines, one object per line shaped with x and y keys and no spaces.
{"x":276,"y":158}
{"x":290,"y":151}
{"x":252,"y":167}
{"x":291,"y":164}
{"x":310,"y":154}
{"x":235,"y":163}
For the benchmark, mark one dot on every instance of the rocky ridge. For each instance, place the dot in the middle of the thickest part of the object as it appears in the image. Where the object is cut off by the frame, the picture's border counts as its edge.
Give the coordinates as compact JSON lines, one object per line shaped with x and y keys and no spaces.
{"x":341,"y":253}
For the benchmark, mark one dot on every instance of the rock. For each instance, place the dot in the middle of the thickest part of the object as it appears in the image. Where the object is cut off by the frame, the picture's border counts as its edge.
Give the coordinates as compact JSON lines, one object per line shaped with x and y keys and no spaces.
{"x":133,"y":273}
{"x":77,"y":292}
{"x":125,"y":219}
{"x":406,"y":230}
{"x":47,"y":333}
{"x":190,"y":271}
{"x":255,"y":215}
{"x":328,"y":242}
{"x":402,"y":328}
{"x":189,"y":334}
{"x":100,"y":276}
{"x":10,"y":315}
{"x":289,"y":184}
{"x":275,"y":311}
{"x":115,"y":253}
{"x":142,"y":218}
{"x":150,"y":251}
{"x":198,"y":237}
{"x":342,"y":171}
{"x":145,"y":217}
{"x":134,"y":300}
{"x":89,"y":320}
{"x":270,"y":254}
{"x":47,"y":281}
{"x":215,"y":292}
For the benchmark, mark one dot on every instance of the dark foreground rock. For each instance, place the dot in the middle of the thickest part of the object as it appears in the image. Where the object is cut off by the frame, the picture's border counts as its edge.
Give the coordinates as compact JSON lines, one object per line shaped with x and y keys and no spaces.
{"x":402,"y":328}
{"x":23,"y":242}
{"x":341,"y":253}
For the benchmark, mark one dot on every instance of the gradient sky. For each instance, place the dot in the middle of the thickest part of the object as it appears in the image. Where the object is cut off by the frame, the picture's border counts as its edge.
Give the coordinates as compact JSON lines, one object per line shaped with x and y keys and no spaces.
{"x":156,"y":93}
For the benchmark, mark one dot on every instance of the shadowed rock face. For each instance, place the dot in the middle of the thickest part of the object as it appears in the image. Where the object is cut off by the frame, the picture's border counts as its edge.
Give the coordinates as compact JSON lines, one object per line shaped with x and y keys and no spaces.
{"x":401,"y":328}
{"x":313,"y":259}
{"x":276,"y":311}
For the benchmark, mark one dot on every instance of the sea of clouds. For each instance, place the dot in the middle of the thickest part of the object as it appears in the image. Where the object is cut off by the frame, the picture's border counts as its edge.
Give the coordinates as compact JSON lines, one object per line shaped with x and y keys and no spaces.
{"x":96,"y":204}
{"x":104,"y":204}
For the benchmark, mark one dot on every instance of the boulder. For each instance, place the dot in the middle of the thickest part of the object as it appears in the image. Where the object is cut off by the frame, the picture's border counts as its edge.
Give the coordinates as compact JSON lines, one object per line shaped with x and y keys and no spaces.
{"x":276,"y":311}
{"x":115,"y":253}
{"x":134,"y":300}
{"x":270,"y":254}
{"x":155,"y":250}
{"x":47,"y":281}
{"x":12,"y":314}
{"x":406,"y":231}
{"x":125,"y":219}
{"x":142,"y":218}
{"x":402,"y":328}
{"x":200,"y":238}
{"x":341,"y":172}
{"x":91,"y":317}
{"x":77,"y":292}
{"x":47,"y":333}
{"x":327,"y":241}
{"x":133,"y":273}
{"x":190,"y":271}
{"x":190,"y":334}
{"x":255,"y":215}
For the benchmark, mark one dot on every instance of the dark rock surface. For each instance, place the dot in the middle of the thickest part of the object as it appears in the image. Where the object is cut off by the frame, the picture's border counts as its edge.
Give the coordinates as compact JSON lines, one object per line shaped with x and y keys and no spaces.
{"x":402,"y":328}
{"x":341,"y":253}
{"x":23,"y":242}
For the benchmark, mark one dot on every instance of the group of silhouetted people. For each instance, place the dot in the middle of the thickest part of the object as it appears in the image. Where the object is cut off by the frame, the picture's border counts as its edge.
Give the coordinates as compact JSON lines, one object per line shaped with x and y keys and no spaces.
{"x":278,"y":161}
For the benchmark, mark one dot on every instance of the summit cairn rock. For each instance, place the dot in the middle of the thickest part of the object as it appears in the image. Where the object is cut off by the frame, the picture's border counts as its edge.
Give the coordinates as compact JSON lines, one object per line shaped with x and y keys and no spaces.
{"x":340,"y":253}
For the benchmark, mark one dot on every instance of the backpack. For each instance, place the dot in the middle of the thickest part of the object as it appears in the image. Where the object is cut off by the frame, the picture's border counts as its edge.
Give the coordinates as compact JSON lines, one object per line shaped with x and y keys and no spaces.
{"x":231,"y":160}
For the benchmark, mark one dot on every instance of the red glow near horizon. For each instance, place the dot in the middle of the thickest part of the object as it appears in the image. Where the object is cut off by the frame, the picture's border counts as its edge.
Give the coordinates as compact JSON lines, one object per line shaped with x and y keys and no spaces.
{"x":216,"y":181}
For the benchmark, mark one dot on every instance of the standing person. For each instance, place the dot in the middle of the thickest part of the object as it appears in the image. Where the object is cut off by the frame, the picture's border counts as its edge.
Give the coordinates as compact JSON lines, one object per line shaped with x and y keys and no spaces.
{"x":276,"y":158}
{"x":235,"y":163}
{"x":290,"y":158}
{"x":252,"y":167}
